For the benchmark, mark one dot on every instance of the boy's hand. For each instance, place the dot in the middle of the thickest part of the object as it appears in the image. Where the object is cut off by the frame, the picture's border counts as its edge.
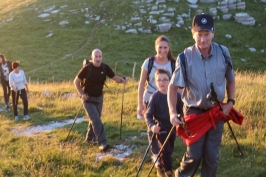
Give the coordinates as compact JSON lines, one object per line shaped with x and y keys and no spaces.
{"x":155,"y":129}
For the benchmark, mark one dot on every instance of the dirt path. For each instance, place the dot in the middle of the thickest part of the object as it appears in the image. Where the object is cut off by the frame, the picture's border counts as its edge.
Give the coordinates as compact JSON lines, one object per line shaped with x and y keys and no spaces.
{"x":103,"y":5}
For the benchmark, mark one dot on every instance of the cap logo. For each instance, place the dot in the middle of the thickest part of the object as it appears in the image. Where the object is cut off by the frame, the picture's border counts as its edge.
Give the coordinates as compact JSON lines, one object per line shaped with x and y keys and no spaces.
{"x":203,"y":20}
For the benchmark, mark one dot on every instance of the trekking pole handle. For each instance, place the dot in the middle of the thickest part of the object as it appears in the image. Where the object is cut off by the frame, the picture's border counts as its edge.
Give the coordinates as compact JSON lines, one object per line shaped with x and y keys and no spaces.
{"x":183,"y":124}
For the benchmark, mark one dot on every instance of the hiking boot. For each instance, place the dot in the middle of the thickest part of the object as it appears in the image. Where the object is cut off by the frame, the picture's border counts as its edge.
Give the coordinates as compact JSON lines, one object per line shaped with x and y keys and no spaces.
{"x":160,"y":172}
{"x":104,"y":148}
{"x":16,"y":118}
{"x":169,"y":174}
{"x":153,"y":158}
{"x":26,"y":117}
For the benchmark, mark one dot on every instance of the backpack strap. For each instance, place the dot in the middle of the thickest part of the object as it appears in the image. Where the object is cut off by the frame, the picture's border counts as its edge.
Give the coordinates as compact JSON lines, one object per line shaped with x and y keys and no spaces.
{"x":85,"y":62}
{"x":150,"y":65}
{"x":182,"y":59}
{"x":104,"y":69}
{"x":173,"y":66}
{"x":226,"y":57}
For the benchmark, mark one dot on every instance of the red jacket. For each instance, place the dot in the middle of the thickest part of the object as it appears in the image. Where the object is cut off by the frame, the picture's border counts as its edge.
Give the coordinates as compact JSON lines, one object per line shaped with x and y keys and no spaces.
{"x":199,"y":124}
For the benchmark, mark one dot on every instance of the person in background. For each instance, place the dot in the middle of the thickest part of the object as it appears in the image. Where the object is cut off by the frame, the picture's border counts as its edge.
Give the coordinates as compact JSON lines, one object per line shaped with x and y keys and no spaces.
{"x":158,"y":120}
{"x":19,"y":88}
{"x":163,"y":59}
{"x":204,"y":64}
{"x":5,"y":69}
{"x":91,"y":94}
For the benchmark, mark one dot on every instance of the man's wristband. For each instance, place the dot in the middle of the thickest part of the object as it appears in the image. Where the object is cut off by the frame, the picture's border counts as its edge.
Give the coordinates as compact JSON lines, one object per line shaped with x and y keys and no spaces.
{"x":231,"y":100}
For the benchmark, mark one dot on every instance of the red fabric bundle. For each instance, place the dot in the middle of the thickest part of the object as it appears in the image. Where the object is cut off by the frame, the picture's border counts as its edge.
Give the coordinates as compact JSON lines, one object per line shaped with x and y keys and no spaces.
{"x":199,"y":124}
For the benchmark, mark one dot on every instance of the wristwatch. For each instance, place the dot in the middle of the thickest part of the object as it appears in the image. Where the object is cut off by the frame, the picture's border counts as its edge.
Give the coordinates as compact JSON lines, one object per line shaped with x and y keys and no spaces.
{"x":232,"y":100}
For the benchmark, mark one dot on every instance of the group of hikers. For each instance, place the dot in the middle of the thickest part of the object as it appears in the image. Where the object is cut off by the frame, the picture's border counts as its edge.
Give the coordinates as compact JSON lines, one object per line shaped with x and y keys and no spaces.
{"x":172,"y":93}
{"x":14,"y":83}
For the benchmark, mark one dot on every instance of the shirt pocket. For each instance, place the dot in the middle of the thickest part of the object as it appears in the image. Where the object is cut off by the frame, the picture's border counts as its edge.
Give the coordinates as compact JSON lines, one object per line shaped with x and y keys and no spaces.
{"x":220,"y":77}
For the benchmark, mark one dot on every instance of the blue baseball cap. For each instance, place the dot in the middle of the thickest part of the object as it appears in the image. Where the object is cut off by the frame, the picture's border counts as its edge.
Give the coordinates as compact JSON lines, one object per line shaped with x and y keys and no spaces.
{"x":202,"y":22}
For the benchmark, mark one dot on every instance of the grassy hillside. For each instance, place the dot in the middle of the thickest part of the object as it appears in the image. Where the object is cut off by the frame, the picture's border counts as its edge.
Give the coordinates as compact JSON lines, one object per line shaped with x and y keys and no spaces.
{"x":59,"y":57}
{"x":44,"y":155}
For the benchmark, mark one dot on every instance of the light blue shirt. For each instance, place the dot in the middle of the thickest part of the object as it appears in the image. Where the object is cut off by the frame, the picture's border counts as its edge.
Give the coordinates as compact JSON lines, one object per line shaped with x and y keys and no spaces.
{"x":199,"y":74}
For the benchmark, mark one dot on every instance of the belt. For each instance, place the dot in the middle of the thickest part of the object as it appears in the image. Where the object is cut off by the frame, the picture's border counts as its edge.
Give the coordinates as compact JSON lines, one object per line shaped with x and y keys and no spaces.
{"x":199,"y":109}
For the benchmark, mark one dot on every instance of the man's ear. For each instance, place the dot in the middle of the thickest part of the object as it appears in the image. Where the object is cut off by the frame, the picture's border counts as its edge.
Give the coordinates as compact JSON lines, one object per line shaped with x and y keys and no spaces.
{"x":193,"y":35}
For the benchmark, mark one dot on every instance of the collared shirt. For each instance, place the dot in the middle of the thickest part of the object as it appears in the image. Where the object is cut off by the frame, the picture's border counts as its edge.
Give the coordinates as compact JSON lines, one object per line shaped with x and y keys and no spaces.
{"x":200,"y":73}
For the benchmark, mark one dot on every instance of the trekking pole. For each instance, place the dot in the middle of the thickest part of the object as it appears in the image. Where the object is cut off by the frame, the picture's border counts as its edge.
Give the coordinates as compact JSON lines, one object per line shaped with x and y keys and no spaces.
{"x":122,"y":108}
{"x":241,"y":152}
{"x":73,"y":124}
{"x":167,"y":138}
{"x":212,"y":96}
{"x":146,"y":152}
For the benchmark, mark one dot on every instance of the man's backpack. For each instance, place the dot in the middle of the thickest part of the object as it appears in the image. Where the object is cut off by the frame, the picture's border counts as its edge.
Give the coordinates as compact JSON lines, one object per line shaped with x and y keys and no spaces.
{"x":182,"y":58}
{"x":150,"y":65}
{"x":88,"y":63}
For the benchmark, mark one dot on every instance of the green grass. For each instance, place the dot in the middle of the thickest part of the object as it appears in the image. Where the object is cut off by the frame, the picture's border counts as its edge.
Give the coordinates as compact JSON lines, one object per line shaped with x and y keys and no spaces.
{"x":59,"y":58}
{"x":43,"y":155}
{"x":62,"y":54}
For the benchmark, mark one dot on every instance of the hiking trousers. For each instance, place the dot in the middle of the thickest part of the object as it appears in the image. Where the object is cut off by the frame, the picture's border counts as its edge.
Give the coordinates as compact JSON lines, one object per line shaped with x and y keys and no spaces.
{"x":23,"y":95}
{"x":6,"y":90}
{"x":205,"y":150}
{"x":165,"y":159}
{"x":93,"y":107}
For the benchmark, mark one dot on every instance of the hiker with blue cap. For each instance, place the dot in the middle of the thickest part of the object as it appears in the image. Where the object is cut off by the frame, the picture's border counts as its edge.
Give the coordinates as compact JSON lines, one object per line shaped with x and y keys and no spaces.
{"x":197,"y":67}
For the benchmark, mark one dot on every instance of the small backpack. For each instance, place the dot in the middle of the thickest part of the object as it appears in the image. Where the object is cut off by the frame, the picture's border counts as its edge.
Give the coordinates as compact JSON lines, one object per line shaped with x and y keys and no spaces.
{"x":150,"y":65}
{"x":88,"y":63}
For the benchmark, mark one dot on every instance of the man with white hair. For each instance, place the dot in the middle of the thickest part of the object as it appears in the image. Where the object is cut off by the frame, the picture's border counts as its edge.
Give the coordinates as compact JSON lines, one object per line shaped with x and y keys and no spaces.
{"x":204,"y":64}
{"x":91,"y":93}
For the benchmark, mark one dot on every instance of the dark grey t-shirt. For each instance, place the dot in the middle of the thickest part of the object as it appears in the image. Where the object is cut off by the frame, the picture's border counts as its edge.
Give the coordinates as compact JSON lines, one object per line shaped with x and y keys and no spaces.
{"x":96,"y":78}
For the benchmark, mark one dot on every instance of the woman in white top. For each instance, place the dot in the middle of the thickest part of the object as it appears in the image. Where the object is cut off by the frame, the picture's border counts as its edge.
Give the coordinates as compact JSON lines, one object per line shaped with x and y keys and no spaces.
{"x":5,"y":69}
{"x":18,"y":82}
{"x":164,"y":60}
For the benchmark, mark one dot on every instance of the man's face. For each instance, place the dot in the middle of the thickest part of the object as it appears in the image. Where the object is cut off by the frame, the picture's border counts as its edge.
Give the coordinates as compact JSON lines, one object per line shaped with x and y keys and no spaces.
{"x":96,"y":58}
{"x":203,"y":39}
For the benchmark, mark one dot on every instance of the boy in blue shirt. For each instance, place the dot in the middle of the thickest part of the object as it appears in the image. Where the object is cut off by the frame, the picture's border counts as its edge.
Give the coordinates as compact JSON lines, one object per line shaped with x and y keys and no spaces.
{"x":157,"y":111}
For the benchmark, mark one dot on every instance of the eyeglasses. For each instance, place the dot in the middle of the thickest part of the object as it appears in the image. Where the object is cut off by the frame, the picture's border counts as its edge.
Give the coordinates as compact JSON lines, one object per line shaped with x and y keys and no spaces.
{"x":164,"y":80}
{"x":187,"y":132}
